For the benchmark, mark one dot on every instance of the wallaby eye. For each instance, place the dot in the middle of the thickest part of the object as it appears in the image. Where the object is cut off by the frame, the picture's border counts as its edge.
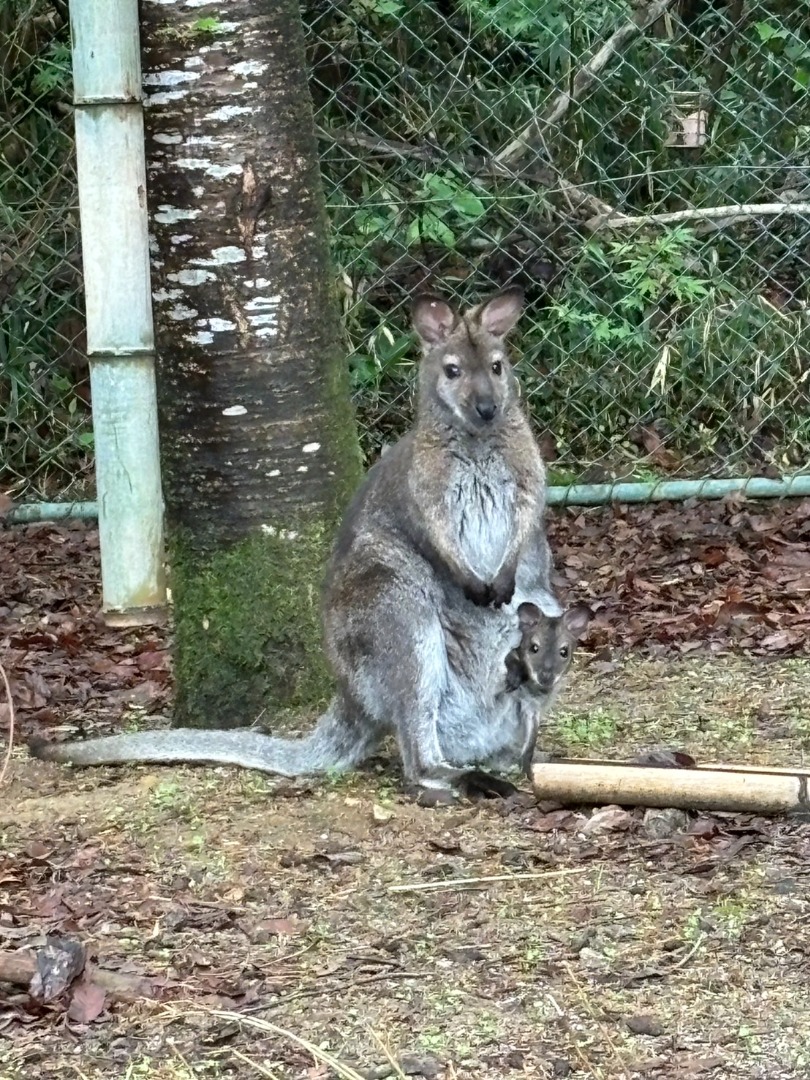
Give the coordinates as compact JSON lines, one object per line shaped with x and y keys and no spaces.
{"x":534,"y":647}
{"x":497,"y":367}
{"x":452,"y":371}
{"x":564,"y":651}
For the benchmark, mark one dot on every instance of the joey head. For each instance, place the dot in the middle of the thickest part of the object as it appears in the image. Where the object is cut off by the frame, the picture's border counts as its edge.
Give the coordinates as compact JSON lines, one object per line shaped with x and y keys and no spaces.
{"x":537,"y":666}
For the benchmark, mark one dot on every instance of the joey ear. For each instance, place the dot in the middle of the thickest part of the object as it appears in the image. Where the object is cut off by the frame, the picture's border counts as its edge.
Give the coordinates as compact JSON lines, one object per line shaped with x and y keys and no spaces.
{"x":576,"y":619}
{"x":529,"y":616}
{"x":498,"y":315}
{"x":433,"y":319}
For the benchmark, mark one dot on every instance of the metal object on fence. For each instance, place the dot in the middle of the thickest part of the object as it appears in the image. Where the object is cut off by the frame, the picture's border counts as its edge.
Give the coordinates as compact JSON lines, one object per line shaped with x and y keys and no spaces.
{"x":120,"y":340}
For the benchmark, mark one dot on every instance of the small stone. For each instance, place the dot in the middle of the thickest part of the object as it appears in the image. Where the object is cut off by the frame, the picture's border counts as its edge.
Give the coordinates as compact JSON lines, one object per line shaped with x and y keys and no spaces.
{"x":644,"y":1025}
{"x":420,"y":1065}
{"x":380,"y":814}
{"x":664,"y":824}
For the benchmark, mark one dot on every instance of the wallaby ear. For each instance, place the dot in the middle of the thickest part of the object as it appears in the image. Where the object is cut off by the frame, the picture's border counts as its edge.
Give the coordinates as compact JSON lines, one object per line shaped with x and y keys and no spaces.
{"x":433,"y":319}
{"x":529,"y":616}
{"x":576,"y":620}
{"x":500,"y":313}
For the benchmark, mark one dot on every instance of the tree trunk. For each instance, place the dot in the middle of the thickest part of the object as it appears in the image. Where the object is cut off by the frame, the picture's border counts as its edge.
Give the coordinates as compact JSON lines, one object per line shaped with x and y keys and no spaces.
{"x":259,"y":447}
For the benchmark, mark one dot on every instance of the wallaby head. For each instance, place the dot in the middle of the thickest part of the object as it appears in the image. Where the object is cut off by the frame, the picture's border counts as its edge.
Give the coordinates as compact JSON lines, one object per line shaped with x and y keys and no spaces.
{"x":465,"y":376}
{"x":546,"y":648}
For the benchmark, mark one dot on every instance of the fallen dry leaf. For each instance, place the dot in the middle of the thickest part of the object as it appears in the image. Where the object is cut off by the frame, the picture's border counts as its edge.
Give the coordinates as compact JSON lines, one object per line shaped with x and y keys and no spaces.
{"x":87,"y":1002}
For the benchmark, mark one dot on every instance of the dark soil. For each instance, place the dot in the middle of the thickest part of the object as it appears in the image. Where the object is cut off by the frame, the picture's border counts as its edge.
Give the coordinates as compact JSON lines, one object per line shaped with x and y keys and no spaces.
{"x":616,"y":943}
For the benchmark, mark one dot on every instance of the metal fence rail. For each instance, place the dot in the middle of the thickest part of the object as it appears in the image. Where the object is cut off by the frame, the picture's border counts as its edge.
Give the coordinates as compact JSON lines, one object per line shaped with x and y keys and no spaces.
{"x":643,"y":170}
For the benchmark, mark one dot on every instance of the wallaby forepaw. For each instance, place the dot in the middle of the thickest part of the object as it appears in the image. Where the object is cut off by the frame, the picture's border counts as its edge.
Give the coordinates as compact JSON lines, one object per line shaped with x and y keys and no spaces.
{"x":502,"y":590}
{"x":479,"y":592}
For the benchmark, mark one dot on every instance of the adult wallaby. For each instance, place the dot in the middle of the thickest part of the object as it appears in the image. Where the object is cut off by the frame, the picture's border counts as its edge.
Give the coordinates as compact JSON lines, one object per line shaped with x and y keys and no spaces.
{"x":446,"y":529}
{"x":537,"y":667}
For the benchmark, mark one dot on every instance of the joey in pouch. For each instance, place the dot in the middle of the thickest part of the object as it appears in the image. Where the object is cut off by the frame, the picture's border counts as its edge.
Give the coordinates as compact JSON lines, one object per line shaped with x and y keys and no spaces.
{"x":538,"y":665}
{"x":442,"y":541}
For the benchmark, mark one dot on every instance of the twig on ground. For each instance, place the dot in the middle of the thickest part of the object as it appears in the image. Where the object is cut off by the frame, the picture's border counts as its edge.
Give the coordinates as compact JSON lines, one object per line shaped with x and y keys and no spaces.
{"x":389,"y":1057}
{"x":7,"y":758}
{"x":583,"y":81}
{"x":263,"y":1069}
{"x":452,"y":883}
{"x":586,"y":1004}
{"x":346,"y":1072}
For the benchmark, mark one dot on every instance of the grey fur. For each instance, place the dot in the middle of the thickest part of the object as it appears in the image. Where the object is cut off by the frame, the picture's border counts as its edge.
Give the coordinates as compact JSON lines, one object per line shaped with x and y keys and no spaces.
{"x":441,"y":543}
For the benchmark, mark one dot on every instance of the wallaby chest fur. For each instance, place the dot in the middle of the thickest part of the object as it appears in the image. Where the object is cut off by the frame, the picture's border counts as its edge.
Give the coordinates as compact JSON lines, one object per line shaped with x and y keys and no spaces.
{"x":441,"y":543}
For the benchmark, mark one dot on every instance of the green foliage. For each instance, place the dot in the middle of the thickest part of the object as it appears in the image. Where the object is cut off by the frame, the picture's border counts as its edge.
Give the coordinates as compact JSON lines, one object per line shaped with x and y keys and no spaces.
{"x":696,"y":334}
{"x":677,"y":348}
{"x":247,"y":628}
{"x":208,"y":25}
{"x":45,"y":435}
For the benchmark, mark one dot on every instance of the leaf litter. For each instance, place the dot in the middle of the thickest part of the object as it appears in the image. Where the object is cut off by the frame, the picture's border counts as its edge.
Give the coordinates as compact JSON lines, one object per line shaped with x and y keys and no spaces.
{"x":677,"y":948}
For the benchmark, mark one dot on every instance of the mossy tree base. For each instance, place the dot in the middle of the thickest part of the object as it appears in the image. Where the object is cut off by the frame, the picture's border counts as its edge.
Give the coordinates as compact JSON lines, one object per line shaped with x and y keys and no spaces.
{"x":248,"y":630}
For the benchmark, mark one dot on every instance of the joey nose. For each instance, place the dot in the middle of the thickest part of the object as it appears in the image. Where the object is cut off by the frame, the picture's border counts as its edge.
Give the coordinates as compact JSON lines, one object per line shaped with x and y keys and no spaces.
{"x":486,"y":410}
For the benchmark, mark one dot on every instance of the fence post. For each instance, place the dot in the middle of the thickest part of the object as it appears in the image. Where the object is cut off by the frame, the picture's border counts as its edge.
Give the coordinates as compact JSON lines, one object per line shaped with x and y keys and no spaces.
{"x":120,"y":338}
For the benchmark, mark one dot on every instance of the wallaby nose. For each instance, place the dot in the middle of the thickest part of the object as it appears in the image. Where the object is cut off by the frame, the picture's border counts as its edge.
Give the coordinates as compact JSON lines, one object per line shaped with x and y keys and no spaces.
{"x":486,"y":410}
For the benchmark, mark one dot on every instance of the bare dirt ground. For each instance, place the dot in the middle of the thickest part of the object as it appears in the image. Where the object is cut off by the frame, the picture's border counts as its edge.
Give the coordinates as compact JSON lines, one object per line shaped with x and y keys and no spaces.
{"x":615,"y":944}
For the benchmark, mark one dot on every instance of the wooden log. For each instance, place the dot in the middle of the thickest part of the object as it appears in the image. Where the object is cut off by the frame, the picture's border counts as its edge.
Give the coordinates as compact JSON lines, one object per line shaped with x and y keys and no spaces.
{"x":778,"y":770}
{"x":737,"y":790}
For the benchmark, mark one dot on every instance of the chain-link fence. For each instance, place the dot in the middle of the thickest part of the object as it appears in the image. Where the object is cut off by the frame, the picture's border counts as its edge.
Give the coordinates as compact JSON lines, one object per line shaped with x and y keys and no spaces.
{"x":45,"y":434}
{"x":642,"y":169}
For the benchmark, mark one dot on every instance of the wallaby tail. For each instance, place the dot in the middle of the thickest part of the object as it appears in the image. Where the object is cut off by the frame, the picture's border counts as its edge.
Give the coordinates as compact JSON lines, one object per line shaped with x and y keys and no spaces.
{"x":335,"y":744}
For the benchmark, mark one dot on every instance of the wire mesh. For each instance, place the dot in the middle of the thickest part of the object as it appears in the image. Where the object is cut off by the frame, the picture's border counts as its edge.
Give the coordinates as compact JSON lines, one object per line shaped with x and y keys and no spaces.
{"x":642,"y":170}
{"x":45,"y":436}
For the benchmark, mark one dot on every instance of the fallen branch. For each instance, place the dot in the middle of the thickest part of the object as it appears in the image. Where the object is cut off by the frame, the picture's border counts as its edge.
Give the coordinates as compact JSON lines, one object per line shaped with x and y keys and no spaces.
{"x":22,"y":966}
{"x":10,"y":699}
{"x":453,"y":883}
{"x":480,"y":168}
{"x":583,"y":80}
{"x":727,"y":214}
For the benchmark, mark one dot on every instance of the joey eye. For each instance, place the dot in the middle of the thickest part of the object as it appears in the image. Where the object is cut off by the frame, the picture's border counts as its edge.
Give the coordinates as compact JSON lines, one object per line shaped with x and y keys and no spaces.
{"x":452,"y":371}
{"x":564,"y":652}
{"x":497,"y":367}
{"x":534,"y":647}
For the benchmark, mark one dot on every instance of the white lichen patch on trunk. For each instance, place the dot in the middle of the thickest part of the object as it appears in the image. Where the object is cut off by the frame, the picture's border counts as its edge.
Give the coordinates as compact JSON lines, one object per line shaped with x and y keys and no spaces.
{"x":191,"y":277}
{"x":169,"y":78}
{"x":220,"y":257}
{"x":168,"y":215}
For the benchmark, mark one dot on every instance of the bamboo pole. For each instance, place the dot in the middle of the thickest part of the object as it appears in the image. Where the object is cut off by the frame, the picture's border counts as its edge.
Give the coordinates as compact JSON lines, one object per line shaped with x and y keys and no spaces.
{"x":120,"y":338}
{"x":740,"y":790}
